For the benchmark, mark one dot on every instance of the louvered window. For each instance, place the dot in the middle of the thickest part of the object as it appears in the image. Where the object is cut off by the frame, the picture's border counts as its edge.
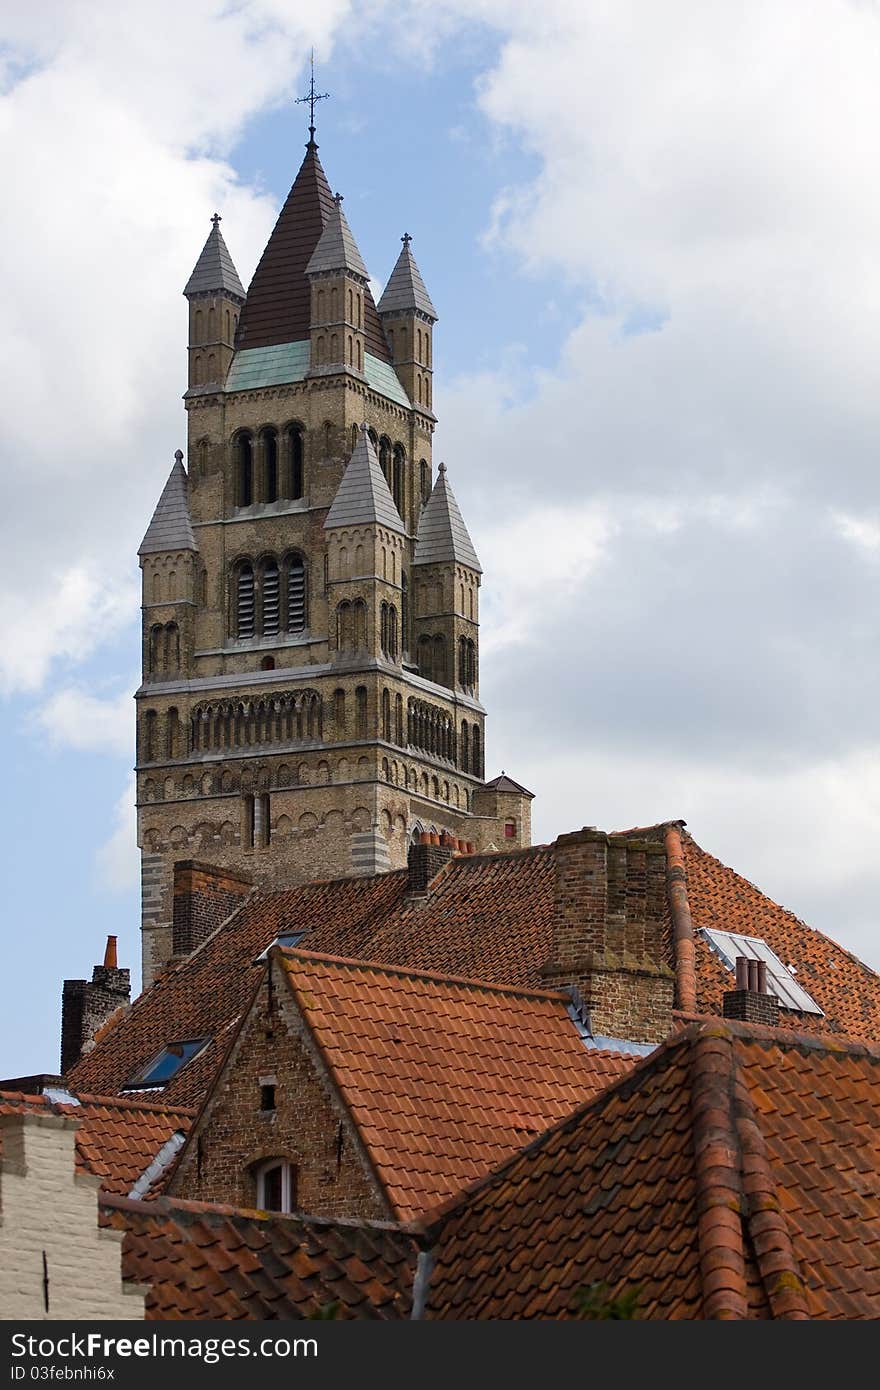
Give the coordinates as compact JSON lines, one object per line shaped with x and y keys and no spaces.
{"x":245,"y":602}
{"x":296,"y":595}
{"x":271,"y":600}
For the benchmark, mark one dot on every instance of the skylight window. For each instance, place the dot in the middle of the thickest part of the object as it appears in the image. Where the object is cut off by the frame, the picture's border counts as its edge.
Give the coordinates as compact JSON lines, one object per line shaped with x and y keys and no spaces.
{"x":286,"y":939}
{"x":166,"y":1064}
{"x":780,"y":978}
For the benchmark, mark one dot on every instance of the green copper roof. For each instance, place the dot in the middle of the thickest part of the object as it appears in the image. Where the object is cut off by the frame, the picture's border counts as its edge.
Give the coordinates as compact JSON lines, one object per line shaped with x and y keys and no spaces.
{"x":288,"y":362}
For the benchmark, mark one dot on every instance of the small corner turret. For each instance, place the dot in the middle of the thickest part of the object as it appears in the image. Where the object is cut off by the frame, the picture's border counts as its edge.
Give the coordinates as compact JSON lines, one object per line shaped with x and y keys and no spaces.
{"x":215,"y":295}
{"x":338,"y":278}
{"x":408,"y":317}
{"x":447,"y":575}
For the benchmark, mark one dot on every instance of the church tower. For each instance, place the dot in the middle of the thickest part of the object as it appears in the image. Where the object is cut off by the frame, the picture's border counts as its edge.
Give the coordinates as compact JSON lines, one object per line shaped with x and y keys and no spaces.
{"x":310,"y":601}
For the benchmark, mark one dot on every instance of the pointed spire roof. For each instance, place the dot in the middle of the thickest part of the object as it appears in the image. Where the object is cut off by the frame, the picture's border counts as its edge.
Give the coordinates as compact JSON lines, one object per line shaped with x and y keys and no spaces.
{"x":171,"y":527}
{"x":214,"y":269}
{"x":442,"y":534}
{"x":337,"y":248}
{"x":406,"y":288}
{"x":278,"y":304}
{"x":363,"y":495}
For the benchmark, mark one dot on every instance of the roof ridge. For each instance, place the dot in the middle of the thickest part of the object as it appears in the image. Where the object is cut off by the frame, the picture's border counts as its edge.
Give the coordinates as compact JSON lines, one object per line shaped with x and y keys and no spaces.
{"x":437,"y":977}
{"x":131,"y":1103}
{"x":150,"y":1206}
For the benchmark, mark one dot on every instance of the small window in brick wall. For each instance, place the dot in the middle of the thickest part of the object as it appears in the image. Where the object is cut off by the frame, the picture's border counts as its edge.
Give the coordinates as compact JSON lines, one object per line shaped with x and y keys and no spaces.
{"x":276,"y":1186}
{"x":510,"y":830}
{"x":267,"y":1096}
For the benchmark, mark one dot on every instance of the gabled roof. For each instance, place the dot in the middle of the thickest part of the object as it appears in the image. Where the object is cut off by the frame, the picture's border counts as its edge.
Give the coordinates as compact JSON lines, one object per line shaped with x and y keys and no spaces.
{"x":442,"y":535}
{"x":730,"y":1175}
{"x":117,"y":1139}
{"x":406,"y":288}
{"x":489,"y":917}
{"x":443,"y":1077}
{"x":214,"y":269}
{"x":503,"y":783}
{"x":220,"y":1263}
{"x":171,"y":527}
{"x":278,"y":304}
{"x":336,"y":248}
{"x":363,"y":497}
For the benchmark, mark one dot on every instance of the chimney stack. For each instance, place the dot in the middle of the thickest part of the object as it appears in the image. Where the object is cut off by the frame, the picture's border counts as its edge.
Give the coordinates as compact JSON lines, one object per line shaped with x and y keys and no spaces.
{"x":751,"y":1001}
{"x":425,"y":860}
{"x":86,"y":1006}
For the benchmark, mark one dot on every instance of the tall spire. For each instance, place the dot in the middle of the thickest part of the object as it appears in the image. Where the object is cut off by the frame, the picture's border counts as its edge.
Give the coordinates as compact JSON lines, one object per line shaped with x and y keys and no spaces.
{"x":214,"y":270}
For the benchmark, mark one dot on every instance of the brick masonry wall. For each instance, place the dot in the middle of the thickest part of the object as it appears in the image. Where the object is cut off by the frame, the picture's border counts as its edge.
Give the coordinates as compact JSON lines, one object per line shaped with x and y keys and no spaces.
{"x":309,"y":1126}
{"x":204,"y":896}
{"x":46,"y":1208}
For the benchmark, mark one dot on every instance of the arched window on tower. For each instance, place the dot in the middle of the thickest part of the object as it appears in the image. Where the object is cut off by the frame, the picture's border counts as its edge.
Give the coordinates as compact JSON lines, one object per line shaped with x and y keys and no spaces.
{"x":155,"y":650}
{"x":172,"y":734}
{"x":398,"y":721}
{"x":360,"y":711}
{"x":296,"y":593}
{"x":426,"y":658}
{"x":339,"y":712}
{"x":244,"y":600}
{"x":171,"y":648}
{"x":149,"y":746}
{"x":476,"y":760}
{"x":198,"y":327}
{"x":354,"y":437}
{"x":294,"y":488}
{"x":439,"y":661}
{"x":344,"y":627}
{"x":271,"y":598}
{"x":386,"y":716}
{"x":360,"y":623}
{"x":385,"y":458}
{"x":269,"y":440}
{"x":464,"y":747}
{"x":397,"y":490}
{"x":245,"y":468}
{"x":425,"y":479}
{"x":404,"y":614}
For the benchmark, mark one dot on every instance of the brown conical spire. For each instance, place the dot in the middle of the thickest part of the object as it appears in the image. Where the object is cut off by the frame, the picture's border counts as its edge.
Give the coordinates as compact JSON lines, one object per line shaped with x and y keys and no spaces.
{"x":278,"y":304}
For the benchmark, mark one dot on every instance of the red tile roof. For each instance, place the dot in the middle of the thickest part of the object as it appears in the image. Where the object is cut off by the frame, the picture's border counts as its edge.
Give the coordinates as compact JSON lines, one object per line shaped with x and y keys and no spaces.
{"x":213,"y":1262}
{"x":847,"y":990}
{"x":487,"y":917}
{"x":733,"y":1174}
{"x":444,"y":1077}
{"x":117,"y":1139}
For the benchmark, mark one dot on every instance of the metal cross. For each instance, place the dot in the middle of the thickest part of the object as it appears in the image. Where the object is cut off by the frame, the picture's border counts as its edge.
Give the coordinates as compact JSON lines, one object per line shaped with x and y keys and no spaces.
{"x":312,"y":97}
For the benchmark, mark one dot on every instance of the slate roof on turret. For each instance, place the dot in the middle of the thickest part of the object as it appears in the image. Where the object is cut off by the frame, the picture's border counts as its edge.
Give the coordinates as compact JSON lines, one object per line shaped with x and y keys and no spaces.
{"x":214,"y":270}
{"x":363,"y":496}
{"x":406,"y":288}
{"x":337,"y":248}
{"x":503,"y":783}
{"x":171,"y":527}
{"x":278,"y":304}
{"x":442,"y":535}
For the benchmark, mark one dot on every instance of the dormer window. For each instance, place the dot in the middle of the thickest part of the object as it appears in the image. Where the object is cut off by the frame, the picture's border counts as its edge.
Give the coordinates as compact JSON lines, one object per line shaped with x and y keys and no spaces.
{"x":286,"y":939}
{"x":728,"y":945}
{"x":165,"y":1065}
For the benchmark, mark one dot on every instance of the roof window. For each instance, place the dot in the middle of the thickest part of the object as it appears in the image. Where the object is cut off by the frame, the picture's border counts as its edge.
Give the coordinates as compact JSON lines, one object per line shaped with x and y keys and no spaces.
{"x":287,"y":939}
{"x":165,"y":1065}
{"x":727,"y":945}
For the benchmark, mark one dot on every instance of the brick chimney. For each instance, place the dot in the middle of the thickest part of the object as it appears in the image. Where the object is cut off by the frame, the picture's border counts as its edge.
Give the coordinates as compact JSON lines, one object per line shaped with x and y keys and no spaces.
{"x":610,"y":932}
{"x":751,"y":1001}
{"x":86,"y":1006}
{"x":425,"y":860}
{"x":204,"y":896}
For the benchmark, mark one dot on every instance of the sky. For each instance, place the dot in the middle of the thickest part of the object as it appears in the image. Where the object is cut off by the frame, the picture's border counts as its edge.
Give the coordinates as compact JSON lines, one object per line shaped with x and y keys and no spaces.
{"x":652,"y":234}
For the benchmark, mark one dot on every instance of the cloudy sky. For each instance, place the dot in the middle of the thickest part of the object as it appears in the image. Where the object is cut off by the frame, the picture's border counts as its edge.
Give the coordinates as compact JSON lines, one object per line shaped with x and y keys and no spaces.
{"x":653,"y":236}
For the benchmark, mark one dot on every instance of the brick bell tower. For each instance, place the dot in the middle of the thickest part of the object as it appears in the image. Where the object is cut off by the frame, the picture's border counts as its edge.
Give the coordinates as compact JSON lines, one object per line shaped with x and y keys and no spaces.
{"x":310,"y":691}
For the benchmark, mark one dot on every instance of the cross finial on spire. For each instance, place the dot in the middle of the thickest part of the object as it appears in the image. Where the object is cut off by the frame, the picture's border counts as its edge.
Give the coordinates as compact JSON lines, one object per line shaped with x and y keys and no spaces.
{"x":178,"y":455}
{"x":406,"y":238}
{"x":216,"y":219}
{"x":337,"y":197}
{"x":442,"y":468}
{"x":311,"y":98}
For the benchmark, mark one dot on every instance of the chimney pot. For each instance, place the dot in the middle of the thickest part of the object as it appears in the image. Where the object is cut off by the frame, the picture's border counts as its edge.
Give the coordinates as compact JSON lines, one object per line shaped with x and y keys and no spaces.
{"x":753,"y":977}
{"x":742,"y":972}
{"x":762,"y":977}
{"x":110,"y":953}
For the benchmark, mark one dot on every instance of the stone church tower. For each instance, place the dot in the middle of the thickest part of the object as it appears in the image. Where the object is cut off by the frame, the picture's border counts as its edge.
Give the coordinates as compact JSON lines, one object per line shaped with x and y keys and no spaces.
{"x":310,"y":591}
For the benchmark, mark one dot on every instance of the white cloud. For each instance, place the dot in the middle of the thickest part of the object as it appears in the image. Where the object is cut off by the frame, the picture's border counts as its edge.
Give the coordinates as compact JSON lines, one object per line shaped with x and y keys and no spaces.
{"x":62,"y":614}
{"x":73,"y":718}
{"x":117,"y":860}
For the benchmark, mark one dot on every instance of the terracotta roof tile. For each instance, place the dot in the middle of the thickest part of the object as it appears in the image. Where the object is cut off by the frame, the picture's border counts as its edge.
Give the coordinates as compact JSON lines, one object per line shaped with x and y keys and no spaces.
{"x":117,"y":1139}
{"x":215,"y":1262}
{"x":752,"y":1194}
{"x":444,"y":1077}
